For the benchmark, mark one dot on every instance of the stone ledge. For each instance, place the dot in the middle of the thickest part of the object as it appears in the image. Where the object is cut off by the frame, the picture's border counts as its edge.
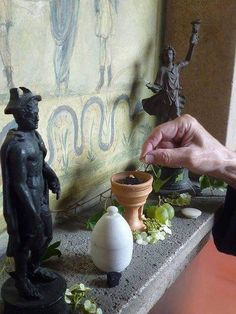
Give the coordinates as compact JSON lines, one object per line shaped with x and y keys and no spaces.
{"x":153,"y":267}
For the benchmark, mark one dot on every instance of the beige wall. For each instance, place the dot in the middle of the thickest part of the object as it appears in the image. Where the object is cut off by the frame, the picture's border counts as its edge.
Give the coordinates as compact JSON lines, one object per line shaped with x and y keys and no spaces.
{"x":207,"y":81}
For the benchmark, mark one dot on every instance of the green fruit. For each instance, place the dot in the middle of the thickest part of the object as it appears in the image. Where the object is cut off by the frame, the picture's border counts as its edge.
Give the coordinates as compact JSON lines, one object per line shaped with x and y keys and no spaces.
{"x":151,"y":211}
{"x":170,"y":210}
{"x":161,"y":214}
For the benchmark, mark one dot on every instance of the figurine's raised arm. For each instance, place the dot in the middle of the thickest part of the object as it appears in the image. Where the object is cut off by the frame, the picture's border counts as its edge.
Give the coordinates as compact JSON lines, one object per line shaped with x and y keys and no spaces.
{"x":193,"y":39}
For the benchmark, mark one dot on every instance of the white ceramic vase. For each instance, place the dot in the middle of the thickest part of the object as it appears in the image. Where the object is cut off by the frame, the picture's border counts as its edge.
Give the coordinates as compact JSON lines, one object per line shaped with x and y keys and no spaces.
{"x":111,"y":244}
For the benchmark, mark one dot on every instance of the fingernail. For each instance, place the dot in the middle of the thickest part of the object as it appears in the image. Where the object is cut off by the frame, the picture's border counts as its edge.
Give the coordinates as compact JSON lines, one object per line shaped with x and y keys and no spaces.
{"x":149,"y":159}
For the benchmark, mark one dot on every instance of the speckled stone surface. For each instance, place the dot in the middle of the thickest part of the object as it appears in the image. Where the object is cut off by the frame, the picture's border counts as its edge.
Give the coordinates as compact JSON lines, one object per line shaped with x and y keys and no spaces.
{"x":153,"y":267}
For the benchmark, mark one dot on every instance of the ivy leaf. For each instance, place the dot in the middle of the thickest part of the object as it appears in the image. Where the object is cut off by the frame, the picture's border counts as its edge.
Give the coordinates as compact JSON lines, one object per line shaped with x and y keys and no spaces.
{"x":204,"y":182}
{"x":91,"y":222}
{"x":179,"y":177}
{"x":51,"y":251}
{"x":157,"y":171}
{"x":212,"y":183}
{"x":158,"y":184}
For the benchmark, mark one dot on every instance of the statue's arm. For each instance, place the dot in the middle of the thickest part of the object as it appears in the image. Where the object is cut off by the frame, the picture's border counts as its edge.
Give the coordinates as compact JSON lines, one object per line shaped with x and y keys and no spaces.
{"x":156,"y":87}
{"x":18,"y":156}
{"x":192,"y":43}
{"x":52,"y":180}
{"x":159,"y":78}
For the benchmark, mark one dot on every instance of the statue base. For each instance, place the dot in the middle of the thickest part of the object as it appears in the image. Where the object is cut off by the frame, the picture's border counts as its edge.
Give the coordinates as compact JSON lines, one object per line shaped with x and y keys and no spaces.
{"x":52,"y":302}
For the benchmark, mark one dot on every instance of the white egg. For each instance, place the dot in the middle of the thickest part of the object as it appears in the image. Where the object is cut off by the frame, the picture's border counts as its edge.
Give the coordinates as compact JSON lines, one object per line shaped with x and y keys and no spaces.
{"x":111,"y":245}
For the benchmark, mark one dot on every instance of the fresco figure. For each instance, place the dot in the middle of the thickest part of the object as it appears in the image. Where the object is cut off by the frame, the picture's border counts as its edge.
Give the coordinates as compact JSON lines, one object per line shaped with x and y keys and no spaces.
{"x":64,"y":26}
{"x":168,"y":100}
{"x":5,"y":53}
{"x":104,"y":28}
{"x":27,"y":179}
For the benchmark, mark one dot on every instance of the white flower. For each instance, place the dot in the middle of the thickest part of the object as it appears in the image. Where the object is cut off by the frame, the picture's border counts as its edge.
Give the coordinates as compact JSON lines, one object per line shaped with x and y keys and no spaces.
{"x":82,"y":287}
{"x":68,"y":292}
{"x":142,"y":238}
{"x":168,"y":223}
{"x":160,"y":235}
{"x":90,"y":306}
{"x":99,"y":311}
{"x":143,"y":217}
{"x":67,"y":296}
{"x":166,"y":229}
{"x":153,"y":239}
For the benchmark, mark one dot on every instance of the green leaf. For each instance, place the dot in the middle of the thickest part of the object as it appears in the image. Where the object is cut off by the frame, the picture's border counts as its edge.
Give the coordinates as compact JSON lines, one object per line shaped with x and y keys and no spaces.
{"x":204,"y":182}
{"x":212,"y":183}
{"x":91,"y":222}
{"x":158,"y":184}
{"x":179,"y":177}
{"x":156,"y":171}
{"x":52,"y":251}
{"x":55,"y":244}
{"x":121,"y":209}
{"x":5,"y":263}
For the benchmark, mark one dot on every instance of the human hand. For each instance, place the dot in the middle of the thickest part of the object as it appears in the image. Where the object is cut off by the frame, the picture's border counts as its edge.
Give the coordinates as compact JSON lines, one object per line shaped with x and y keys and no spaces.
{"x":184,"y":142}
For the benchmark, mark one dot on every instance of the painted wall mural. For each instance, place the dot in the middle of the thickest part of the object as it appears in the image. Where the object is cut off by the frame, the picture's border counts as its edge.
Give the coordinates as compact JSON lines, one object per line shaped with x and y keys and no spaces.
{"x":64,"y":25}
{"x":5,"y":52}
{"x":88,"y":60}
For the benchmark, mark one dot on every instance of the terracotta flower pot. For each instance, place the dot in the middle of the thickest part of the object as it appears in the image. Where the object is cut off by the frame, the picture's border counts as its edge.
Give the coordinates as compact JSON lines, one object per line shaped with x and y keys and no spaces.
{"x":132,"y":197}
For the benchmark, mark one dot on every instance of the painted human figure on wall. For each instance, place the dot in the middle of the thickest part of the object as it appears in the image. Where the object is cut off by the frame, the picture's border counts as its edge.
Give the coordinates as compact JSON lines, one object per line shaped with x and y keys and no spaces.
{"x":5,"y":53}
{"x":168,"y":100}
{"x":64,"y":26}
{"x":27,"y":179}
{"x":104,"y":27}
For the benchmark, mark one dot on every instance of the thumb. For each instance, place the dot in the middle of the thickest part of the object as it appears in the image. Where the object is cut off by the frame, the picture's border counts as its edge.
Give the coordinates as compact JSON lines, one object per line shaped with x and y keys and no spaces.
{"x":175,"y":157}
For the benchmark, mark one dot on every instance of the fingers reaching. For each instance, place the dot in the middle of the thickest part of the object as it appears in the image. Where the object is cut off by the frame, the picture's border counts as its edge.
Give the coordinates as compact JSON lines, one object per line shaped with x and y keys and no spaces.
{"x":173,"y":158}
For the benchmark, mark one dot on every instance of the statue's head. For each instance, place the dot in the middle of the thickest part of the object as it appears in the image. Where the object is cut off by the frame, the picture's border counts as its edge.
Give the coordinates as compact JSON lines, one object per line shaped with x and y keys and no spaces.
{"x":24,"y":108}
{"x":168,"y":55}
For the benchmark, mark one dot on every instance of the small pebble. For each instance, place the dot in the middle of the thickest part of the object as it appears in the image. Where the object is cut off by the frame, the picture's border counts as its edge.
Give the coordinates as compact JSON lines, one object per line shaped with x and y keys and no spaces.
{"x":191,"y":212}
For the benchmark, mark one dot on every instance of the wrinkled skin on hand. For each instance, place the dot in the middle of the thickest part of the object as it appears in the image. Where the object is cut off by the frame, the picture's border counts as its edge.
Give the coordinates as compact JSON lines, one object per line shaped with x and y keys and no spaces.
{"x":184,"y":142}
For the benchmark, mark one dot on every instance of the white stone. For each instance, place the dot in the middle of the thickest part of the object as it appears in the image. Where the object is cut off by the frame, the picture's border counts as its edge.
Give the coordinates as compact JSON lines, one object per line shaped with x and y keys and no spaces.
{"x":111,"y":244}
{"x":191,"y":212}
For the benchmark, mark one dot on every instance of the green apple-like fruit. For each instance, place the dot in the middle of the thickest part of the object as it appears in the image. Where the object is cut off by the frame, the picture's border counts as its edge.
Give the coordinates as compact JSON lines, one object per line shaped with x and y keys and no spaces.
{"x":161,"y":213}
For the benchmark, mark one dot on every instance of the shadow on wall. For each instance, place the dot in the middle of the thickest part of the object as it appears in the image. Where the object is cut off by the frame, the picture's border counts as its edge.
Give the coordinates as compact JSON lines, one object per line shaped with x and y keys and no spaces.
{"x":80,"y":187}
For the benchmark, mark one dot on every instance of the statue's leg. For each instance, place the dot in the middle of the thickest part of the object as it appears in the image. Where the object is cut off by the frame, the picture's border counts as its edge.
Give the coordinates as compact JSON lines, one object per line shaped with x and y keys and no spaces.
{"x":37,"y":251}
{"x":178,"y":111}
{"x":22,"y":282}
{"x":173,"y":112}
